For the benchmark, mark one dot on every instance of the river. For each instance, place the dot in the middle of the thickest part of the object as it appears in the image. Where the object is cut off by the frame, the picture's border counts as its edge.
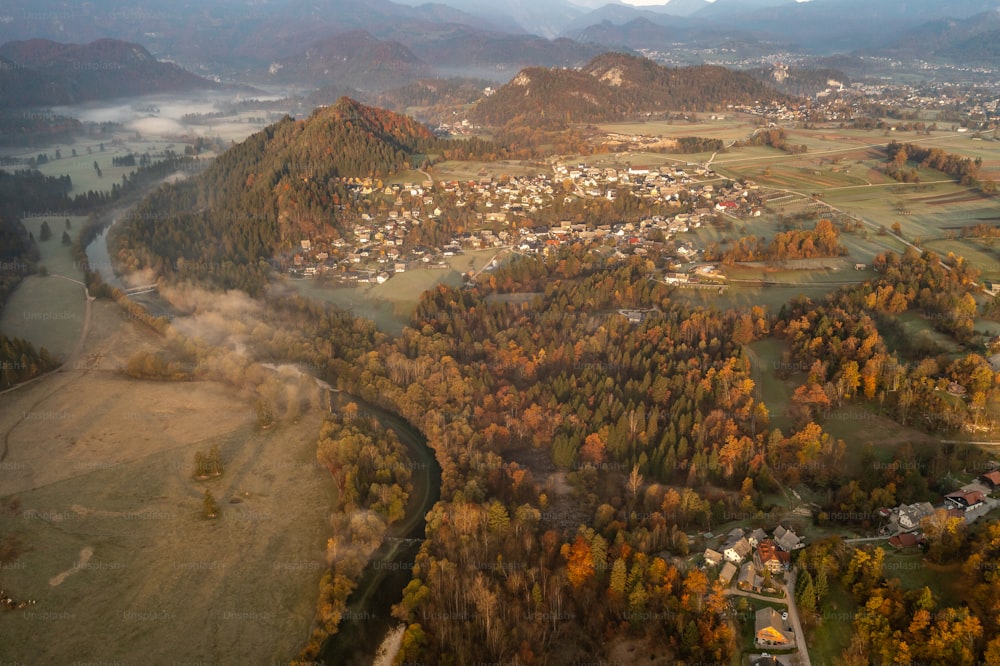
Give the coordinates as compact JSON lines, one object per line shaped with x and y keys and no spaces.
{"x":368,"y":618}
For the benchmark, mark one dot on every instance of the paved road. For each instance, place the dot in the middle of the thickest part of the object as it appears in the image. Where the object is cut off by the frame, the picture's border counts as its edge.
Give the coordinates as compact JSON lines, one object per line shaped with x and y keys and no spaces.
{"x":793,"y":617}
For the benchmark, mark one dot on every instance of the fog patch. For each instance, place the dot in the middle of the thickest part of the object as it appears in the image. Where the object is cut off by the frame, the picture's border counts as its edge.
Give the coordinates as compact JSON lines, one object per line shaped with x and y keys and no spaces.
{"x":222,"y":320}
{"x":139,"y":278}
{"x":156,"y":126}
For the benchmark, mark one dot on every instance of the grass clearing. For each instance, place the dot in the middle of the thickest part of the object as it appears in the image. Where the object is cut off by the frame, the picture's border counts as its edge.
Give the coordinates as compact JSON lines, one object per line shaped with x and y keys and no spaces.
{"x":828,"y":640}
{"x":49,"y":310}
{"x":745,"y":297}
{"x":975,"y":252}
{"x":116,"y":553}
{"x":464,"y":171}
{"x":861,"y":429}
{"x":766,"y":357}
{"x":915,"y":572}
{"x":391,"y":304}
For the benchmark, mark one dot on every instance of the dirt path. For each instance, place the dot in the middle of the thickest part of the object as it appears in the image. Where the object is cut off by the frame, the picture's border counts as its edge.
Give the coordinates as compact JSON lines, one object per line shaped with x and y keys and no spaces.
{"x":85,"y":556}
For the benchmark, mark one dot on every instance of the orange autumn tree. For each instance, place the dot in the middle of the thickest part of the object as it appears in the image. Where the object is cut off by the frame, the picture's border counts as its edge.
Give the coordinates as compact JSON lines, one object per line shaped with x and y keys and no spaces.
{"x":579,"y":561}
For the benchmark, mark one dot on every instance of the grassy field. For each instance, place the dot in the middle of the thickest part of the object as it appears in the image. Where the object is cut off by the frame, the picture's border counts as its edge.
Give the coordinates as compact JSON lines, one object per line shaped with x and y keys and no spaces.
{"x":920,"y":331}
{"x":915,"y":572}
{"x":975,"y":252}
{"x":80,"y":168}
{"x":731,"y":129}
{"x":49,"y":310}
{"x":465,"y":171}
{"x":863,"y":429}
{"x":114,"y":548}
{"x":744,"y":298}
{"x":766,"y":357}
{"x":391,"y":304}
{"x":832,"y":635}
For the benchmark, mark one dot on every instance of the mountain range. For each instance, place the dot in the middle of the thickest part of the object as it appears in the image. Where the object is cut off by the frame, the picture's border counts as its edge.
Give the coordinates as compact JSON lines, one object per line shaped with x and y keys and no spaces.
{"x":236,"y":37}
{"x":376,"y":45}
{"x":40,"y":72}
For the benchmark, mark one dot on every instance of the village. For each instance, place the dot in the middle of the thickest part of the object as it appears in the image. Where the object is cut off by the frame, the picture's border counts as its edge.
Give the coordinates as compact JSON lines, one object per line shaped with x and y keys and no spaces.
{"x":758,"y":565}
{"x":515,"y":213}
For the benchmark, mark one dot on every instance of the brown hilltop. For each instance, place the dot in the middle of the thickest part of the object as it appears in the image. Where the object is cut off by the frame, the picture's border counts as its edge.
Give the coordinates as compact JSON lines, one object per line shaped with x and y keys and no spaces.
{"x":615,"y":86}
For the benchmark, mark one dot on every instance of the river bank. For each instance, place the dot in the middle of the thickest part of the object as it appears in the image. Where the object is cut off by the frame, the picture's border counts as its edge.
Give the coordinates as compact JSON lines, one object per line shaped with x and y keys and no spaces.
{"x":368,"y":619}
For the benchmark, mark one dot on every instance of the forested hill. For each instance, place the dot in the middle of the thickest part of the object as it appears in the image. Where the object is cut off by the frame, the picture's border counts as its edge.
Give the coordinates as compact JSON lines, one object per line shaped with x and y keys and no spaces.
{"x":264,"y":195}
{"x":614,"y":86}
{"x":39,"y":72}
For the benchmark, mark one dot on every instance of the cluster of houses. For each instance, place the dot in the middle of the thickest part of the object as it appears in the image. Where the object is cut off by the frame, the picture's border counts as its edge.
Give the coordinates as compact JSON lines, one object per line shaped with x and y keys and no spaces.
{"x":751,"y":554}
{"x":967,"y":502}
{"x":753,"y":558}
{"x":670,"y":184}
{"x":383,"y":241}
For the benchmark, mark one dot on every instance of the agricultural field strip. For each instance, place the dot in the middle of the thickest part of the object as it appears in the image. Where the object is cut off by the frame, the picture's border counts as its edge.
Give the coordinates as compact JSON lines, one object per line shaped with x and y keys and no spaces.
{"x":822,"y":152}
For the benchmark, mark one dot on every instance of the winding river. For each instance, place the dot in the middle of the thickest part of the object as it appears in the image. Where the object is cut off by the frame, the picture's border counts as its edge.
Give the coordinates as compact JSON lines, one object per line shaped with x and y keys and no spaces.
{"x":368,"y":619}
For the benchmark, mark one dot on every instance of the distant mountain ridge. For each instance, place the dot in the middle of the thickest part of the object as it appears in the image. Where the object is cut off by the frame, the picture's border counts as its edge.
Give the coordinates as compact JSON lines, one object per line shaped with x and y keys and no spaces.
{"x":615,"y":86}
{"x":818,"y":26}
{"x":971,"y":40}
{"x":40,"y":72}
{"x":235,"y":40}
{"x":356,"y":59}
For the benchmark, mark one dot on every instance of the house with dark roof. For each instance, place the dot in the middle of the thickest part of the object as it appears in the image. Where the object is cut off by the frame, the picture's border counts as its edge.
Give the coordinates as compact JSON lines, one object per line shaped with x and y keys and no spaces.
{"x":749,"y":579}
{"x":736,"y":552}
{"x":786,"y":539}
{"x":712,"y":557}
{"x":727,"y":573}
{"x":910,"y":515}
{"x":756,"y":537}
{"x":771,"y":631}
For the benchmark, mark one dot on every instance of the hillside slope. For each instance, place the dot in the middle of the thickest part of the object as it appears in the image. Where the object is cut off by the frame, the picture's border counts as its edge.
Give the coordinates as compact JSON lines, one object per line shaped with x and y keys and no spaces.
{"x":615,"y":86}
{"x":262,"y":196}
{"x":40,"y":72}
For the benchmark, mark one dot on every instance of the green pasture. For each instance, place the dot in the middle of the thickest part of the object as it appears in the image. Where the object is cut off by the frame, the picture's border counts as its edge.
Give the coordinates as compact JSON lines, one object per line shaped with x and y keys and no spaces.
{"x":917,"y":330}
{"x":730,"y":129}
{"x":862,"y":248}
{"x":745,"y":297}
{"x":914,"y":573}
{"x":828,"y":640}
{"x":49,"y":310}
{"x":80,"y":168}
{"x":391,"y":304}
{"x":465,"y":171}
{"x":766,"y":356}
